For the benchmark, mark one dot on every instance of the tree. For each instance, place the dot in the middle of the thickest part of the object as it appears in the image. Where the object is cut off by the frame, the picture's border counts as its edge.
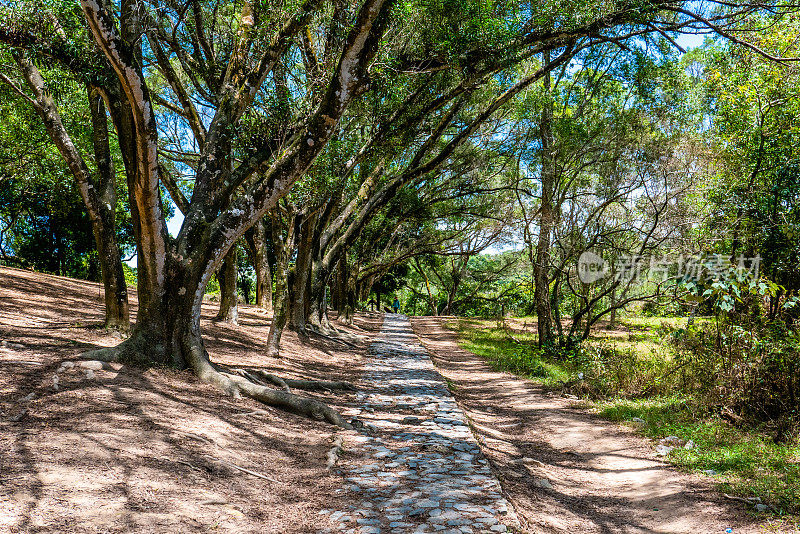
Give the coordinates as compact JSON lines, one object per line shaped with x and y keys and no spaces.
{"x":97,"y":188}
{"x":753,"y":180}
{"x":222,"y":73}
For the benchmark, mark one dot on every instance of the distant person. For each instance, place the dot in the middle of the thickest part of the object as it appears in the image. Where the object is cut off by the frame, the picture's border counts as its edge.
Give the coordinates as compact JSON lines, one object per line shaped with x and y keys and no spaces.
{"x":396,"y":305}
{"x":371,"y":304}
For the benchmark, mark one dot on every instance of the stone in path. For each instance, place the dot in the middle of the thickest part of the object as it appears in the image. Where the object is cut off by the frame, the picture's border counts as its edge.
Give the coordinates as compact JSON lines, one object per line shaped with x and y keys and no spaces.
{"x":426,"y":472}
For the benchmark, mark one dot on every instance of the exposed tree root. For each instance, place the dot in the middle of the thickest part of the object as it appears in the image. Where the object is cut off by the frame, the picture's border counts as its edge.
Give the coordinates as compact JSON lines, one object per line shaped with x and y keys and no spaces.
{"x":264,"y":379}
{"x":286,"y":384}
{"x":108,"y":354}
{"x":246,"y":385}
{"x":287,"y":401}
{"x":238,"y":386}
{"x":274,"y":380}
{"x":307,"y":385}
{"x":309,"y":330}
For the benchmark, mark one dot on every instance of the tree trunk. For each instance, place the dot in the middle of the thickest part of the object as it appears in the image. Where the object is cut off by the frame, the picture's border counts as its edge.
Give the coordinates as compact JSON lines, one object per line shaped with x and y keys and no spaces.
{"x":351,"y":298}
{"x":117,"y":311}
{"x":170,"y":330}
{"x":318,"y":306}
{"x":283,"y":249}
{"x":256,"y":239}
{"x":100,"y":197}
{"x":299,"y":293}
{"x":613,"y":318}
{"x":541,"y":264}
{"x":280,"y":312}
{"x":227,"y":277}
{"x":104,"y":226}
{"x":339,"y":285}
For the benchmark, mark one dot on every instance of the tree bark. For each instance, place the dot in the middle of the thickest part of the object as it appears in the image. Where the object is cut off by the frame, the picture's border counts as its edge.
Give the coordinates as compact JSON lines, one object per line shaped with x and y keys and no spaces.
{"x":283,"y":250}
{"x":256,"y":239}
{"x":541,"y":264}
{"x":108,"y":252}
{"x":229,"y":298}
{"x":299,"y":294}
{"x":99,"y":196}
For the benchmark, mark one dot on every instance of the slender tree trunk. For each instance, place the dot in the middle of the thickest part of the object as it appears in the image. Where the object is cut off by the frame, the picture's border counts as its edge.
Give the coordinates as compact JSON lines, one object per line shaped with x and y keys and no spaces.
{"x":339,"y":286}
{"x":351,"y":299}
{"x":318,"y":306}
{"x":301,"y":284}
{"x":541,"y":265}
{"x":613,"y":318}
{"x":229,"y":298}
{"x":99,"y":196}
{"x":279,"y":314}
{"x":257,"y":249}
{"x":104,"y":226}
{"x":282,"y":282}
{"x":316,"y":297}
{"x":117,"y":311}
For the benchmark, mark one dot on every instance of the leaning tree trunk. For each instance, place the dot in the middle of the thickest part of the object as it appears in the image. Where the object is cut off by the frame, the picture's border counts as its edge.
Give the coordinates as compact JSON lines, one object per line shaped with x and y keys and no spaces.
{"x":99,"y":198}
{"x":227,"y":277}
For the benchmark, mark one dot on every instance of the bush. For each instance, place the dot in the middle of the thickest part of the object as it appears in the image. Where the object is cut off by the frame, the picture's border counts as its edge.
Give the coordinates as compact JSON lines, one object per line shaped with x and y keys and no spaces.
{"x":749,"y":375}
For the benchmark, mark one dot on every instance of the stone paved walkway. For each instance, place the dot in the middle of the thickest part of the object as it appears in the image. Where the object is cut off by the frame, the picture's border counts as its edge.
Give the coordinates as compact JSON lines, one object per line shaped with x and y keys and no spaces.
{"x":425,"y":471}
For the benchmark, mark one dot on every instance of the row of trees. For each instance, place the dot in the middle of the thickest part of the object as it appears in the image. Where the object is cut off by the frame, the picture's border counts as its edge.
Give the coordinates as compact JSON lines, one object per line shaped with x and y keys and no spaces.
{"x":340,"y":143}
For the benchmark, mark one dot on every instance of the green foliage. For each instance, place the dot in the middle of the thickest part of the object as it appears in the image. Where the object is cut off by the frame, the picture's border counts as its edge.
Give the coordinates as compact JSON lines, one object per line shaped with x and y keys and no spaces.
{"x":507,"y":354}
{"x":43,"y":222}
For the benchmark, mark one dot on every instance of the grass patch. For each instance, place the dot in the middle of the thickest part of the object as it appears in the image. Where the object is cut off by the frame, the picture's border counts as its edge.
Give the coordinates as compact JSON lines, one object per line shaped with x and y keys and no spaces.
{"x":504,"y":354}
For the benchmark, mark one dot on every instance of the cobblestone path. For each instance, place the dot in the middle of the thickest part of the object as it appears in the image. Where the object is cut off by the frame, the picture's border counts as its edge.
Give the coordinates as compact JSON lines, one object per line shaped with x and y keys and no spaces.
{"x":425,"y":471}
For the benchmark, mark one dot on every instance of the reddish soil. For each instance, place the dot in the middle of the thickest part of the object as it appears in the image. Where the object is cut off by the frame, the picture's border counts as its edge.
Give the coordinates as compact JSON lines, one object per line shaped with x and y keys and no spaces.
{"x":603,"y":477}
{"x":151,"y":450}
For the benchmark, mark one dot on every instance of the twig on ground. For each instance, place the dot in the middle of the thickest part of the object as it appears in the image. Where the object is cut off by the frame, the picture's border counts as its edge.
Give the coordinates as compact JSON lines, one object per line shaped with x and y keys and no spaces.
{"x":243,"y":470}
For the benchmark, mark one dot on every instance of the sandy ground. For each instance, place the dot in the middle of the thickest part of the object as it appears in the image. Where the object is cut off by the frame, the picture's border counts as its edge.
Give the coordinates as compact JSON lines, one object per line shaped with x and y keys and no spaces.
{"x":566,"y":470}
{"x":150,"y":451}
{"x":154,"y":450}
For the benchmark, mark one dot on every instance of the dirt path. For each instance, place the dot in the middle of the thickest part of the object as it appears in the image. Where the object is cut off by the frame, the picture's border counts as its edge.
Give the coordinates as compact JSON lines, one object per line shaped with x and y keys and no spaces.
{"x":566,"y":470}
